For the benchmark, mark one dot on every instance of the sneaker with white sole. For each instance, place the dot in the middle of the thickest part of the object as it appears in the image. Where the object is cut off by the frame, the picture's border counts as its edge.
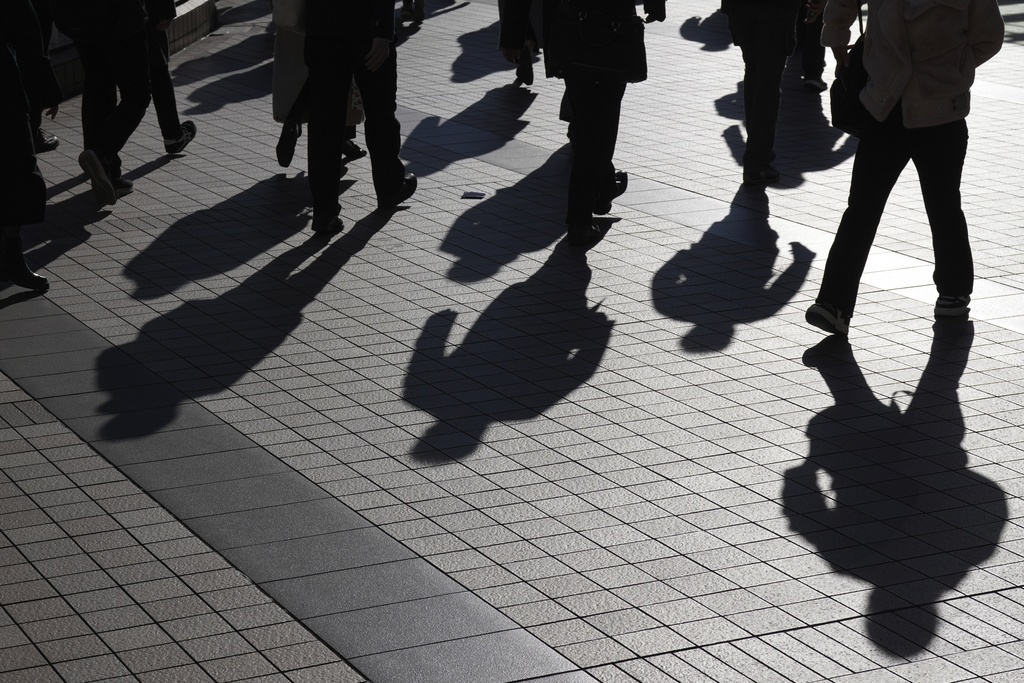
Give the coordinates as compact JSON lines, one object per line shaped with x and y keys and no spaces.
{"x":828,"y":318}
{"x":188,"y":133}
{"x":952,"y":306}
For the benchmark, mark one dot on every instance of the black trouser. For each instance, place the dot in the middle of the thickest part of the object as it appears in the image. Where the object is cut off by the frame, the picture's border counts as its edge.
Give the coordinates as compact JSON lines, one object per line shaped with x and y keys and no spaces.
{"x":42,"y":8}
{"x":112,"y":66}
{"x":595,"y":127}
{"x":22,"y":190}
{"x":766,"y":38}
{"x":808,"y":39}
{"x":333,"y":62}
{"x":163,"y":87}
{"x":938,"y":153}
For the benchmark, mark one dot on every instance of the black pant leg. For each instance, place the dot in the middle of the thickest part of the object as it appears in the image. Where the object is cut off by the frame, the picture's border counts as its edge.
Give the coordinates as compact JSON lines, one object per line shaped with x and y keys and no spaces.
{"x":766,"y":41}
{"x":938,"y":153}
{"x":164,"y":102}
{"x":593,"y":143}
{"x":330,"y":76}
{"x":99,"y":94}
{"x":881,"y":157}
{"x":111,"y":67}
{"x":379,"y":90}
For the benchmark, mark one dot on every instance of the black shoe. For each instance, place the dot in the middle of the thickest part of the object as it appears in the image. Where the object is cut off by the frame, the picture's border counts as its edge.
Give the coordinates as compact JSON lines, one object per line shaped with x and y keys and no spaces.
{"x":44,"y":142}
{"x":13,"y":267}
{"x":188,"y":134}
{"x":327,"y":225}
{"x":604,"y":206}
{"x":123,"y":186}
{"x":350,"y":151}
{"x":760,"y":176}
{"x":952,"y":306}
{"x":524,"y":68}
{"x":583,"y":233}
{"x":101,"y":185}
{"x":403,"y":192}
{"x":828,"y":318}
{"x":815,"y":84}
{"x":290,"y":132}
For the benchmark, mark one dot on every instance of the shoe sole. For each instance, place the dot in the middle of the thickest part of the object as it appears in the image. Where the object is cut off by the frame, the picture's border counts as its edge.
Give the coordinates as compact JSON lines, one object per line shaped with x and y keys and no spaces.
{"x":101,"y":185}
{"x":952,"y":313}
{"x":189,"y":134}
{"x":823,"y":323}
{"x":407,"y":191}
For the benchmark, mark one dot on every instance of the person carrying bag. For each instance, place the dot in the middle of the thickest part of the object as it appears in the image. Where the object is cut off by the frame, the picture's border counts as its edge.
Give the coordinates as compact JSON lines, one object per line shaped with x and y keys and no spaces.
{"x":920,"y":57}
{"x":596,"y":47}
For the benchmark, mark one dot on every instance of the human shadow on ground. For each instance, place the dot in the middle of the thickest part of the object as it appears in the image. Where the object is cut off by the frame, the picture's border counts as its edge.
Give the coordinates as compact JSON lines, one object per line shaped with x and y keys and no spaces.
{"x":240,"y":86}
{"x":220,"y":340}
{"x":228,"y":60}
{"x":480,"y":56}
{"x":712,"y":31}
{"x":536,"y":343}
{"x":523,"y":218}
{"x":215,"y":240}
{"x":805,"y":140}
{"x":728,"y":278}
{"x":886,"y":495}
{"x":485,"y":126}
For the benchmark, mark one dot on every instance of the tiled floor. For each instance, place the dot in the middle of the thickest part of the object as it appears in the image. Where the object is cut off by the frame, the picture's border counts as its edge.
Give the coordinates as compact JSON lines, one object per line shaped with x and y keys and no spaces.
{"x":447,"y":446}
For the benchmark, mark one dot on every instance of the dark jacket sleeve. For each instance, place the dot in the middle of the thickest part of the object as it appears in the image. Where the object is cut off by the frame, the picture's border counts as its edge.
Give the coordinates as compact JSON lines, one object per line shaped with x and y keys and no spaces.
{"x":161,"y":10}
{"x":19,"y":30}
{"x":384,"y":15}
{"x":515,"y":23}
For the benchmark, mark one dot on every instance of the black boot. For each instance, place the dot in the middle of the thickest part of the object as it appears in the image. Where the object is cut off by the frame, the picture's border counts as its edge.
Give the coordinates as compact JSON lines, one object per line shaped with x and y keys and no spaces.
{"x":14,"y":268}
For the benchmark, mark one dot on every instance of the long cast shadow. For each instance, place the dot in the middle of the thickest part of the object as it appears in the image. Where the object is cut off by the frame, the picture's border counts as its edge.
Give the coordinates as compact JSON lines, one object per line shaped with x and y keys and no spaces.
{"x":213,"y":241}
{"x":480,"y":56}
{"x":224,"y":338}
{"x":516,"y":220}
{"x":886,"y":495}
{"x":534,"y":344}
{"x":728,"y":277}
{"x":483,"y":127}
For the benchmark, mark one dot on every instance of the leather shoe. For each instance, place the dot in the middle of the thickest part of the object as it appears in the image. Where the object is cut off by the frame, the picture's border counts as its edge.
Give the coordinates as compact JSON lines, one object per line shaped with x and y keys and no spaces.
{"x":327,"y":225}
{"x":44,"y":142}
{"x":399,"y":195}
{"x":602,"y":207}
{"x":760,"y":176}
{"x":583,"y":233}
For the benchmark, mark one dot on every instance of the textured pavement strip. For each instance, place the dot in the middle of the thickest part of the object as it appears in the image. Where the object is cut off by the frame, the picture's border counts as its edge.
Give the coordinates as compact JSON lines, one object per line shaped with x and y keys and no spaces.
{"x":634,"y":525}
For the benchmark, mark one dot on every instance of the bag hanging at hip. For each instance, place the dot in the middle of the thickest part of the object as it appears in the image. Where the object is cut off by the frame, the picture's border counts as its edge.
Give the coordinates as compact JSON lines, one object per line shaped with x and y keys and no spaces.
{"x":597,"y":46}
{"x":848,"y":113}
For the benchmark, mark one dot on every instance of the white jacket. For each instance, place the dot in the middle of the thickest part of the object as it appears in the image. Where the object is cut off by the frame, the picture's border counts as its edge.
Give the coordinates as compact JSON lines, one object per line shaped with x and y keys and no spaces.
{"x":923,"y":52}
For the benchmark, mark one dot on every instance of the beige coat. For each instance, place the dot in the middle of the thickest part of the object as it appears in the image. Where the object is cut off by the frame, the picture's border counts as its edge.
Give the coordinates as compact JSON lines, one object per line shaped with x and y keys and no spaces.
{"x":923,"y":52}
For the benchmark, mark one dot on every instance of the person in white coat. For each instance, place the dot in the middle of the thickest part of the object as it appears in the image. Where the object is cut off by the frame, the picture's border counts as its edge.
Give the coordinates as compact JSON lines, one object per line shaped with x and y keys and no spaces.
{"x":920,"y":56}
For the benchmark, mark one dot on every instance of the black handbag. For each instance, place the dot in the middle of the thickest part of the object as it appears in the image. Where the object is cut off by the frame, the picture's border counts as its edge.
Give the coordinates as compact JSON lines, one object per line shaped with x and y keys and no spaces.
{"x":848,"y":113}
{"x":590,"y":44}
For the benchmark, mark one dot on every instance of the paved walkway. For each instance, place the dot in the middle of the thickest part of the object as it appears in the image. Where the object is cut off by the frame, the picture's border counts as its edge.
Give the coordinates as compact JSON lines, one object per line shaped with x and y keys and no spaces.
{"x":446,"y":446}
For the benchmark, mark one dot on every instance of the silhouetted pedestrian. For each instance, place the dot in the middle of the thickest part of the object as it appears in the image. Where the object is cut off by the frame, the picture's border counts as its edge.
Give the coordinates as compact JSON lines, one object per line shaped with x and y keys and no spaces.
{"x":346,"y":40}
{"x":921,"y":58}
{"x":594,"y":102}
{"x":110,"y":36}
{"x":26,"y":80}
{"x":808,"y":40}
{"x":765,"y":31}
